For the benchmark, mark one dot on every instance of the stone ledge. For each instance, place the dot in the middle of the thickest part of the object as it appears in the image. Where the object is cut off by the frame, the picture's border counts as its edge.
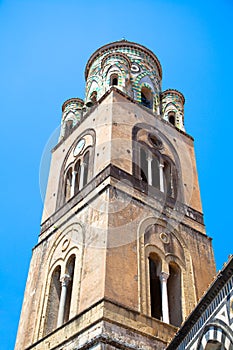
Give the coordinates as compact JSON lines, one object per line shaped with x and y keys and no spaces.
{"x":111,"y":323}
{"x":115,"y":172}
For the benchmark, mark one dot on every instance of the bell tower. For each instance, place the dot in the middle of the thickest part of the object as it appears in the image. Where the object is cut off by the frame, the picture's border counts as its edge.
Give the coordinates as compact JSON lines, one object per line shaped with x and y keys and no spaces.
{"x":122,"y":256}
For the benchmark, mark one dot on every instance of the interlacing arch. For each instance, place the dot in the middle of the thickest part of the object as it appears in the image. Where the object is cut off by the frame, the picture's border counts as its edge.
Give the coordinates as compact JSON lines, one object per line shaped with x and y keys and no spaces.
{"x":93,"y":84}
{"x":136,"y":82}
{"x":119,"y":66}
{"x":116,"y":56}
{"x":216,"y":337}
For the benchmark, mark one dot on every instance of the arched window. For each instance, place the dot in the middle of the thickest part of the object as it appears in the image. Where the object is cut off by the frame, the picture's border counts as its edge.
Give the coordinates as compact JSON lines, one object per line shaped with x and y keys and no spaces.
{"x":171,"y":118}
{"x":86,"y":167}
{"x":114,"y":79}
{"x":174,"y":294}
{"x":143,"y":165}
{"x":70,"y":272}
{"x":155,"y":165}
{"x":68,"y":184}
{"x":169,"y":179}
{"x":155,"y":286}
{"x":77,"y":175}
{"x":53,"y":301}
{"x":157,"y":170}
{"x":146,"y":97}
{"x":149,"y":167}
{"x":77,"y":170}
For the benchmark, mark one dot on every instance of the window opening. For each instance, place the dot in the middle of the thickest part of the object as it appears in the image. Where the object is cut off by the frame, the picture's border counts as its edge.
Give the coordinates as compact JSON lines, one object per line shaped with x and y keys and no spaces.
{"x":77,"y":169}
{"x":114,"y":79}
{"x":143,"y":165}
{"x":146,"y":97}
{"x":53,"y":301}
{"x":167,"y":171}
{"x":70,"y":271}
{"x":155,"y":172}
{"x":174,"y":295}
{"x":68,"y":182}
{"x":171,"y":118}
{"x":86,"y":167}
{"x":155,"y":289}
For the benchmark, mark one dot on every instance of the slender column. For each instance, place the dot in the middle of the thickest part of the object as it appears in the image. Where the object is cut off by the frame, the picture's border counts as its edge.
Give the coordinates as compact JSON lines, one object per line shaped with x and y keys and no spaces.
{"x":61,"y":312}
{"x":149,"y":169}
{"x":171,"y":182}
{"x":73,"y":183}
{"x":82,"y":167}
{"x":165,"y":310}
{"x":161,"y":181}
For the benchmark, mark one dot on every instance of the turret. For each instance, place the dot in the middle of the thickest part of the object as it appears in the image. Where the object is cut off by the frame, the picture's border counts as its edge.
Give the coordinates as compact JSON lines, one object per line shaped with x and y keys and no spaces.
{"x":130,"y":67}
{"x":72,"y":111}
{"x":173,"y":107}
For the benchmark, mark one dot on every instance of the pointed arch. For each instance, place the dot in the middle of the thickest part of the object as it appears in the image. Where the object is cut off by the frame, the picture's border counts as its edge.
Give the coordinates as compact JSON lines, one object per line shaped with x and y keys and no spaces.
{"x":92,"y":88}
{"x":112,"y":68}
{"x":147,"y":96}
{"x":170,"y":112}
{"x":116,"y":56}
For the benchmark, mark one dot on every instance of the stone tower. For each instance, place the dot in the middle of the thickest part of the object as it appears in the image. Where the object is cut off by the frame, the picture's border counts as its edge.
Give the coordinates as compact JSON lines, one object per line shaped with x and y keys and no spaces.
{"x":122,"y":256}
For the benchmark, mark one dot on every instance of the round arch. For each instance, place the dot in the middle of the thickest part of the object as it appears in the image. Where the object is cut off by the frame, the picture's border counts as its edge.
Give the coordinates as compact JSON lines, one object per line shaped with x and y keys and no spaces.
{"x":216,"y":334}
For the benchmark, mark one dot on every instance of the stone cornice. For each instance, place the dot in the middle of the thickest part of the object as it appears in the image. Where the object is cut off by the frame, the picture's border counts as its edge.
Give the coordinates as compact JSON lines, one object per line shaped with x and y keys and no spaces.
{"x":119,"y":174}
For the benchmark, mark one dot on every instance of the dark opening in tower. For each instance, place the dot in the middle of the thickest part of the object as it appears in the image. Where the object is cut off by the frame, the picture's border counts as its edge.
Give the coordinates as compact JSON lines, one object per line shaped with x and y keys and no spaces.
{"x":155,"y":287}
{"x":146,"y":97}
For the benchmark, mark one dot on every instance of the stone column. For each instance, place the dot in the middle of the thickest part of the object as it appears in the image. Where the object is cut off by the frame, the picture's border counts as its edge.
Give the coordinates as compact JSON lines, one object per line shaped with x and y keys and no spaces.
{"x":149,"y":169}
{"x":165,"y":309}
{"x":72,"y":190}
{"x":161,"y":181}
{"x":61,"y":312}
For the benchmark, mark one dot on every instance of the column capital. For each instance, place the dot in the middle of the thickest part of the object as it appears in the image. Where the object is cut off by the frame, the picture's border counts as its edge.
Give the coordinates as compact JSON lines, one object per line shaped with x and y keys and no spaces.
{"x":161,"y":165}
{"x":65,"y":279}
{"x":149,"y":157}
{"x":163,"y":276}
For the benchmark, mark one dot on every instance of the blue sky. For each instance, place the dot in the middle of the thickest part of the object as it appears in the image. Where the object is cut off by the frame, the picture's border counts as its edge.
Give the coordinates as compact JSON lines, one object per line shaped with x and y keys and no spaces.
{"x":44,"y":46}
